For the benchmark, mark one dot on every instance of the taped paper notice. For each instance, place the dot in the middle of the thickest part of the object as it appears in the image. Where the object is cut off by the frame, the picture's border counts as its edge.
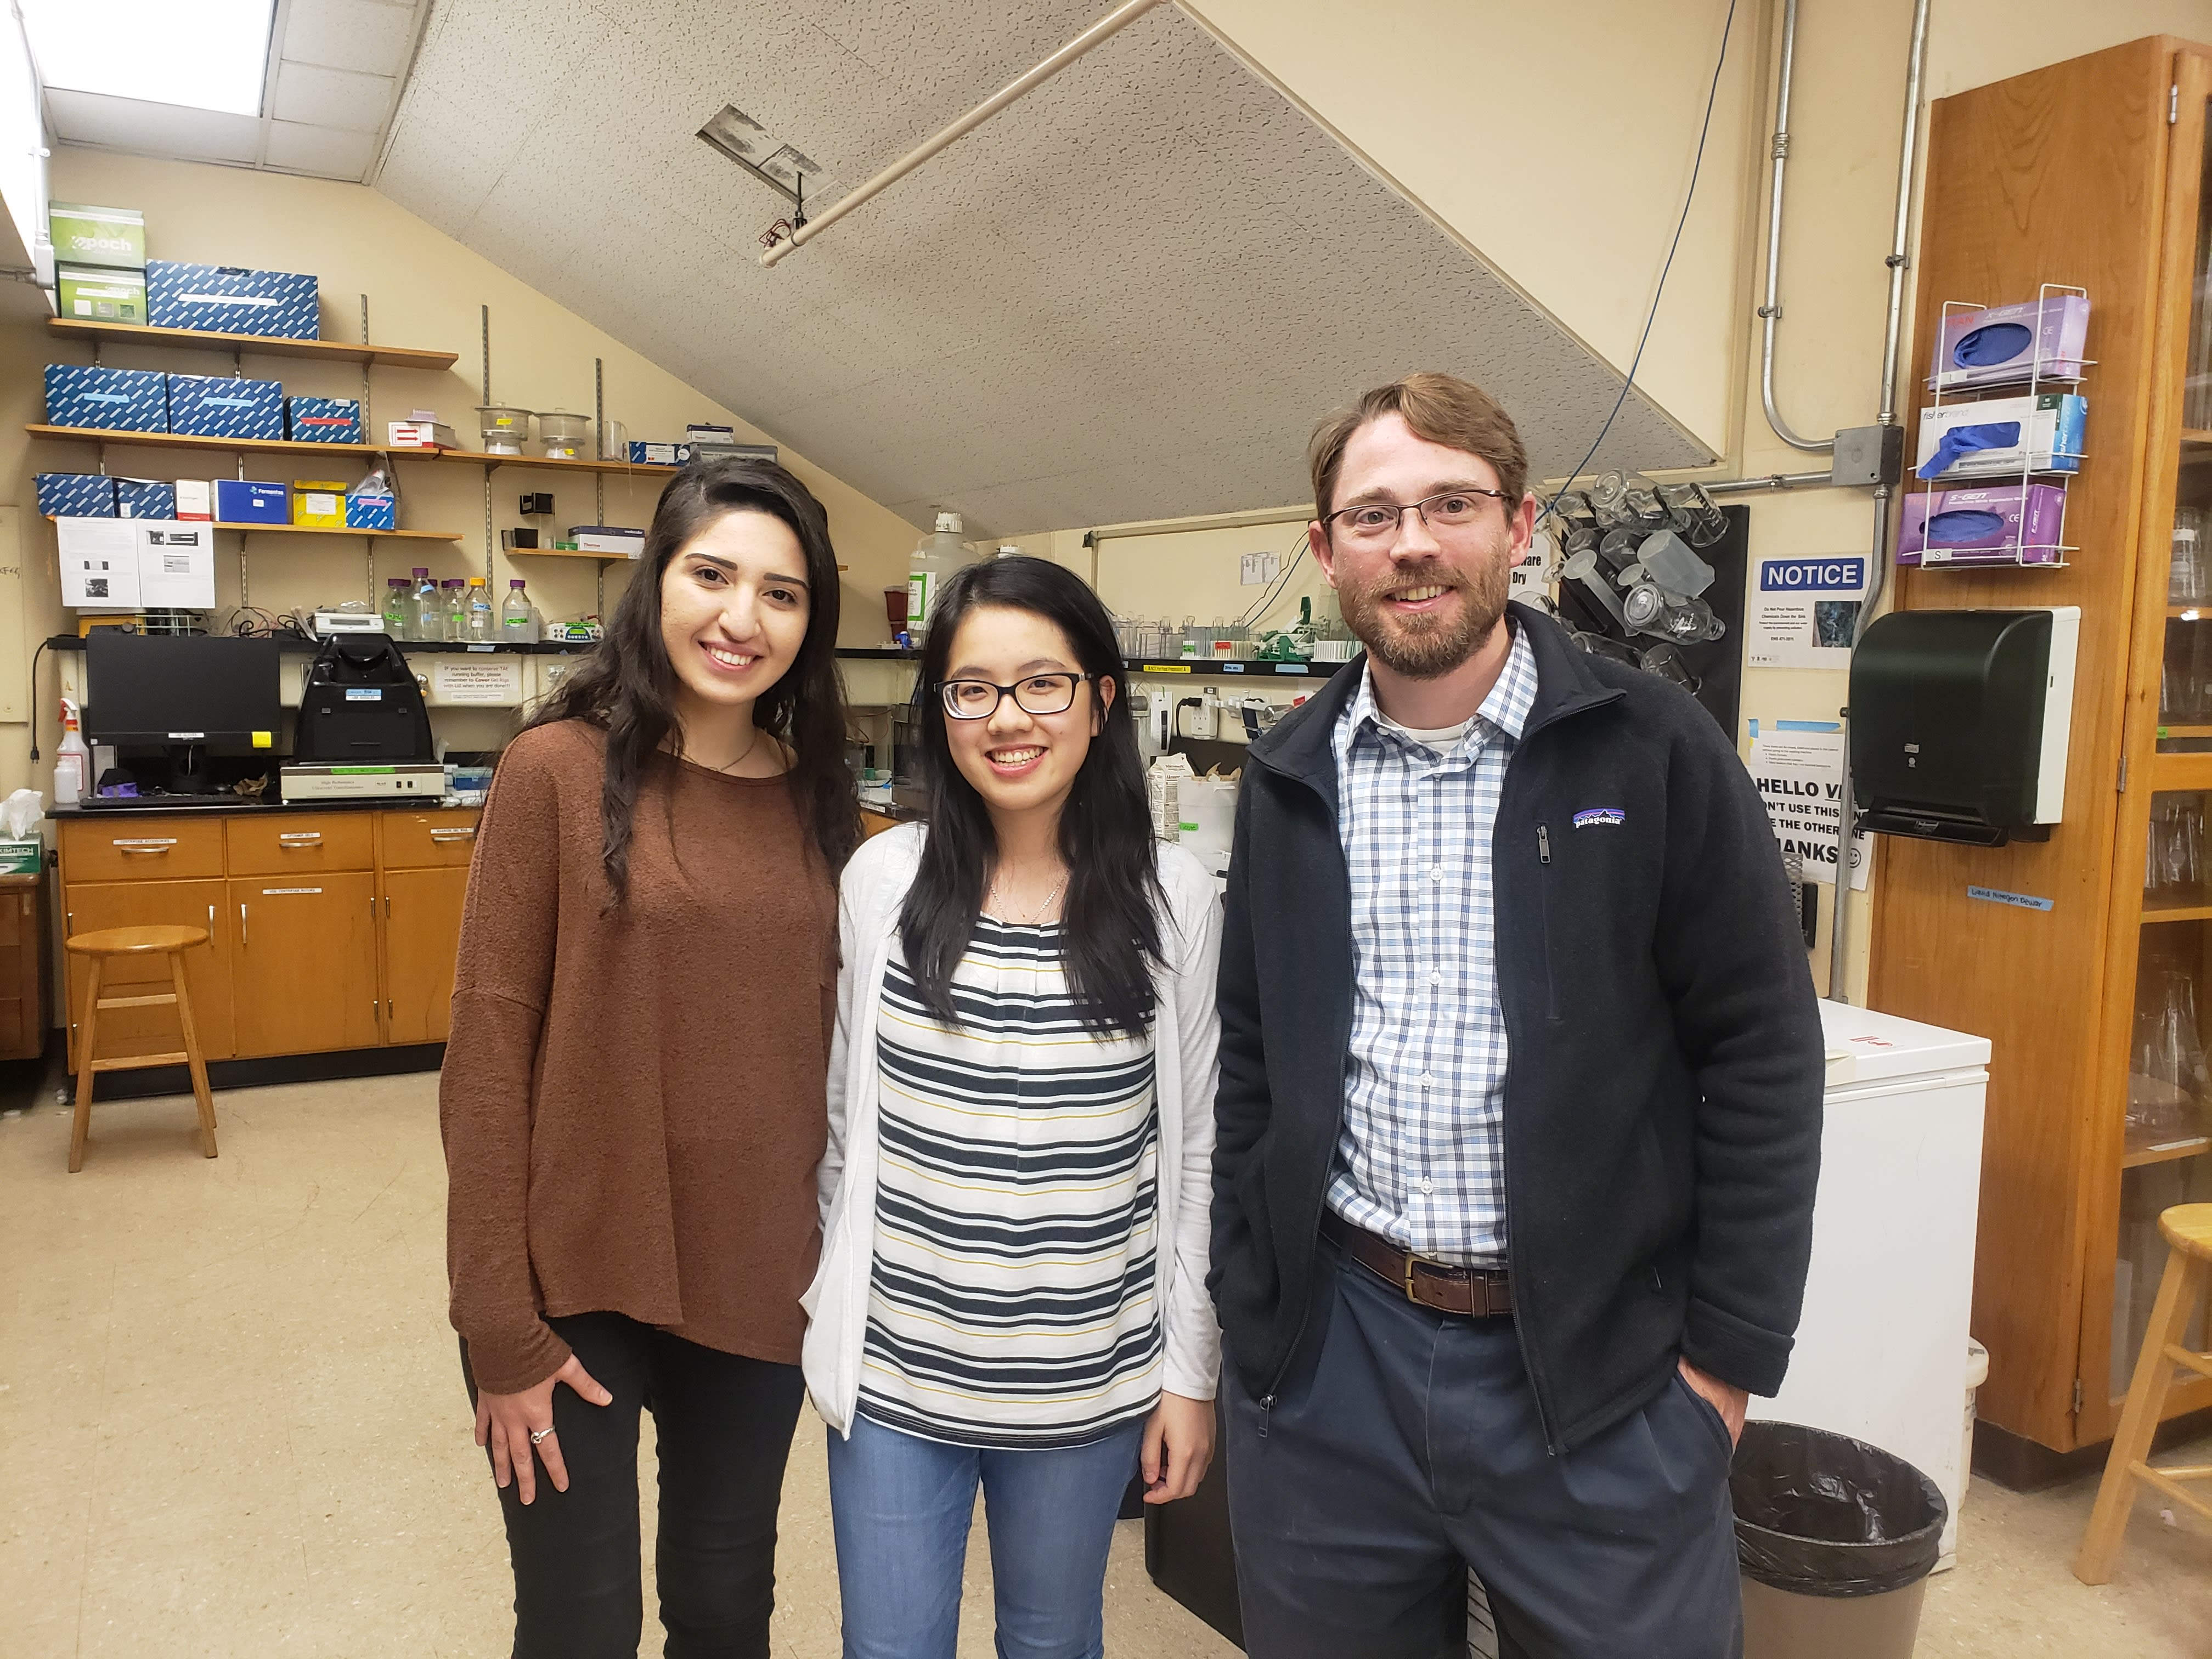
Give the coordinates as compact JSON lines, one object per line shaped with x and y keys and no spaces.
{"x":1799,"y":774}
{"x":464,"y":680}
{"x":1803,"y":611}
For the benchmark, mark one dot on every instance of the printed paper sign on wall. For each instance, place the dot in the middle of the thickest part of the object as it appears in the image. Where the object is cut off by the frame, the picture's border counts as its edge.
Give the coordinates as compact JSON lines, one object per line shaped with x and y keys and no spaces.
{"x":1799,"y":770}
{"x":1803,"y":611}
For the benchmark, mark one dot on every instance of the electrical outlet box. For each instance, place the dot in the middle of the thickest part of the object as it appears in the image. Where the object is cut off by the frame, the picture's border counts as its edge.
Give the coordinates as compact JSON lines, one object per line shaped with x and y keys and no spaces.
{"x":536,"y":504}
{"x":1866,"y":456}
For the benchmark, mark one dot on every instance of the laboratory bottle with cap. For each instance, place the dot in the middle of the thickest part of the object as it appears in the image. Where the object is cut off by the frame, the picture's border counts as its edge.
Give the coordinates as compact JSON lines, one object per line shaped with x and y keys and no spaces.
{"x":936,"y":557}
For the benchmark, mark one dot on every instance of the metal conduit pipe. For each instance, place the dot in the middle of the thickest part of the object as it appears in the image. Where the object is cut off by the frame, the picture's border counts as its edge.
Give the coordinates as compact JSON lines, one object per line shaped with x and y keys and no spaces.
{"x":1773,"y":481}
{"x":1878,"y":562}
{"x":1770,"y":311}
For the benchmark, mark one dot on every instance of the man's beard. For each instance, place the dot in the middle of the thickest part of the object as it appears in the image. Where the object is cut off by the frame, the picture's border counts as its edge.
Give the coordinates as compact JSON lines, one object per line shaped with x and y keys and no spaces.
{"x":1427,"y":646}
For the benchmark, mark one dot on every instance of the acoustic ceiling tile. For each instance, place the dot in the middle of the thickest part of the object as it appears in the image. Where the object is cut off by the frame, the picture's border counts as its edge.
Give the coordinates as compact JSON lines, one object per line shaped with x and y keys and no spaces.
{"x":320,"y":152}
{"x":366,"y":36}
{"x":332,"y":98}
{"x":130,"y":124}
{"x":1130,"y":294}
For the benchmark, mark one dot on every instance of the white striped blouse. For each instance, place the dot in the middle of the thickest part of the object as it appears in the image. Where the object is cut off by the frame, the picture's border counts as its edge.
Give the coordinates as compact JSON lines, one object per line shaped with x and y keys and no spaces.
{"x":1011,"y":1300}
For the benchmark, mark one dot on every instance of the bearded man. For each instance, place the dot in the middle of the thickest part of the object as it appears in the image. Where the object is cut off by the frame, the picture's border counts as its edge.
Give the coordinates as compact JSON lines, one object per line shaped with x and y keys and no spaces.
{"x":1519,"y":1118}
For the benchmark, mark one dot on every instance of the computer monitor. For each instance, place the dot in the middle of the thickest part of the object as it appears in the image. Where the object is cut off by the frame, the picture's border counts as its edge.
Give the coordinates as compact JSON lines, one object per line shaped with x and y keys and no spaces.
{"x":193,"y":695}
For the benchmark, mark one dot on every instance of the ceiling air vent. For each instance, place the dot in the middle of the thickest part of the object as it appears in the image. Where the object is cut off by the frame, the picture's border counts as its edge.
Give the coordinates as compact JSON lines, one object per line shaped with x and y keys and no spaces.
{"x":782,"y":167}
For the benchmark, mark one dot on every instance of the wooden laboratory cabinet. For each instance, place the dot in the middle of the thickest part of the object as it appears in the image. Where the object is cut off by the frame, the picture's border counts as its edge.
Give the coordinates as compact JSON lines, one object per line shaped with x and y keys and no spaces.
{"x":22,"y":966}
{"x":329,"y":931}
{"x":2095,"y":992}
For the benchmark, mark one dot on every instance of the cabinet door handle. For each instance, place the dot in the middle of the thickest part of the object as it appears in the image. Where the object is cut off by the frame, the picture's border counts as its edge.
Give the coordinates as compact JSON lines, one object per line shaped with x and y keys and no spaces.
{"x":466,"y":833}
{"x":241,"y":924}
{"x":300,"y":838}
{"x":147,"y":845}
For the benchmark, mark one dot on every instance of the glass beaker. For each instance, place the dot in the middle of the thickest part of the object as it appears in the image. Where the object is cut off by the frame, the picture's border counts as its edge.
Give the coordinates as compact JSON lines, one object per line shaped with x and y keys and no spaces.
{"x":2166,"y":1082}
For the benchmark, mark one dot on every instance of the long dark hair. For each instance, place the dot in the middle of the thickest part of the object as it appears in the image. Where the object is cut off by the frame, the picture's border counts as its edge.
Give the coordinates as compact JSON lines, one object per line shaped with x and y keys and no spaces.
{"x":628,"y":686}
{"x":1110,"y":930}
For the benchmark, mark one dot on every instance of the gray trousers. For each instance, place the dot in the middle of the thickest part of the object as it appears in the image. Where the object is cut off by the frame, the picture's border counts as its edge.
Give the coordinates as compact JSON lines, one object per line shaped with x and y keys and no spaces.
{"x":1411,"y":1451}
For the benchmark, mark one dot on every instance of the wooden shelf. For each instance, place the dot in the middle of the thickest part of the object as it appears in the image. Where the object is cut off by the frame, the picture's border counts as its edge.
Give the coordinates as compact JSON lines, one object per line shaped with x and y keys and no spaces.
{"x":219,"y":445}
{"x":261,"y":345}
{"x":2137,"y":1155}
{"x":2194,"y":439}
{"x":567,"y":553}
{"x":334,"y":529}
{"x":323,"y":530}
{"x":2158,"y":913}
{"x":2184,"y":732}
{"x":547,"y":463}
{"x":2201,"y":612}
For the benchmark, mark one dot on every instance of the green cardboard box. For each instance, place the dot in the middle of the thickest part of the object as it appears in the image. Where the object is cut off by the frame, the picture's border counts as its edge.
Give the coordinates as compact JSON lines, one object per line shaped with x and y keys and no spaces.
{"x":113,"y":237}
{"x":87,"y":294}
{"x":22,"y":858}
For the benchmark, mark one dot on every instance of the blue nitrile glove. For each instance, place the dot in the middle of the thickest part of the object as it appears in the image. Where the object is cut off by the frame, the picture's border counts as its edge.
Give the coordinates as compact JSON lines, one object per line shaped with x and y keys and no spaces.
{"x":1964,"y":441}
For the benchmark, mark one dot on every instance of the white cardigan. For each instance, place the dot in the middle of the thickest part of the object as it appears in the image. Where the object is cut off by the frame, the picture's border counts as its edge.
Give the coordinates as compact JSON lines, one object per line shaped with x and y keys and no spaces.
{"x":1185,"y":1071}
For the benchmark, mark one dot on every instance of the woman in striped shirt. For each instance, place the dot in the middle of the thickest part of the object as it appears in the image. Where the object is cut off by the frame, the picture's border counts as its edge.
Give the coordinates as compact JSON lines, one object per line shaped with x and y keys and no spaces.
{"x":1012,"y":1285}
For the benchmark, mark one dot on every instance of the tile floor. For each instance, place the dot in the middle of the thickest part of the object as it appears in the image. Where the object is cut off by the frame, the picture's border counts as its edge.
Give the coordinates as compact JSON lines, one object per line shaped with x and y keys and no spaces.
{"x":231,"y":1423}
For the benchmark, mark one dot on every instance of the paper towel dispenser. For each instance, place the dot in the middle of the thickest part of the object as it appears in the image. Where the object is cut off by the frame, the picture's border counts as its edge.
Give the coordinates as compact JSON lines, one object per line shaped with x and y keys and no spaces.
{"x":1959,"y":722}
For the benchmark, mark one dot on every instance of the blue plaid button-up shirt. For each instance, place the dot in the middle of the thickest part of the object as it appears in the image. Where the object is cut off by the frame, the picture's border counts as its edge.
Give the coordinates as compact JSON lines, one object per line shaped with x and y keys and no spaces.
{"x":1421,"y":1160}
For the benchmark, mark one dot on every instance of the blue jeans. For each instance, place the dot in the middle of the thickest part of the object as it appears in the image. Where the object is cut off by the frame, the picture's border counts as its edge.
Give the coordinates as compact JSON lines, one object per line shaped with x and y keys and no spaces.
{"x":901,"y":1507}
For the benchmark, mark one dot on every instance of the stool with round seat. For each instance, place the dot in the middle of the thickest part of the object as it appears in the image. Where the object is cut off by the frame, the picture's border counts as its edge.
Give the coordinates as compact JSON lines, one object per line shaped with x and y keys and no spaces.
{"x":101,"y":948}
{"x":2188,"y":1231}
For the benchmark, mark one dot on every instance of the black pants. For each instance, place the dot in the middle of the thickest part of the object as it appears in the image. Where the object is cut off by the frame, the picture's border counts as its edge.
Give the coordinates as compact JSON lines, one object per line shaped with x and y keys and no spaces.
{"x":724,"y":1426}
{"x":1411,"y":1451}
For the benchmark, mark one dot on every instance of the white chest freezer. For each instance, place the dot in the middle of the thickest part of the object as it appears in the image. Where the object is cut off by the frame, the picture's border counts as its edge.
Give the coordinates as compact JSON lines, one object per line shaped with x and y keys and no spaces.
{"x":1882,"y":1349}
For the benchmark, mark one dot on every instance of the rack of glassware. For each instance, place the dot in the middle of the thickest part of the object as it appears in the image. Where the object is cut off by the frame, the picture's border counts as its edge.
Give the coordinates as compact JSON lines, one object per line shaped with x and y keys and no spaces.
{"x":1632,"y":547}
{"x":2002,"y":435}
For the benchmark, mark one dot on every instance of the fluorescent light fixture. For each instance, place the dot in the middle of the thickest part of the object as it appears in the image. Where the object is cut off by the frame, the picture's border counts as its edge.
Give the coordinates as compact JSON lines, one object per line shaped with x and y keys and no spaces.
{"x":767,"y":157}
{"x":200,"y":54}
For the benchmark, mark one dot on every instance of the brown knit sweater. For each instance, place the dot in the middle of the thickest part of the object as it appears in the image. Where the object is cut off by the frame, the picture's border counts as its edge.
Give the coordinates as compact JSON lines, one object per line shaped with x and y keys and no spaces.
{"x":633,"y":1101}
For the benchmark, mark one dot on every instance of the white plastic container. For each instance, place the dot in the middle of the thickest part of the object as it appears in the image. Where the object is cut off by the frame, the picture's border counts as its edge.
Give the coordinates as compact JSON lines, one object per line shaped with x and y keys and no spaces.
{"x":504,"y":428}
{"x":563,"y":435}
{"x":72,"y":761}
{"x":936,"y":557}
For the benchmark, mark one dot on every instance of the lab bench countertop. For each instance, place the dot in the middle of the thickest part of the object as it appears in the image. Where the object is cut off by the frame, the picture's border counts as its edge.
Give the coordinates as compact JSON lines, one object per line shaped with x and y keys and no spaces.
{"x":153,"y":806}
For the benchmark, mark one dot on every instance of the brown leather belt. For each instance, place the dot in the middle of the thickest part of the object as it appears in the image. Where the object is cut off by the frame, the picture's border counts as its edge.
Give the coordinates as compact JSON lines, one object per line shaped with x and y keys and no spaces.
{"x":1481,"y":1291}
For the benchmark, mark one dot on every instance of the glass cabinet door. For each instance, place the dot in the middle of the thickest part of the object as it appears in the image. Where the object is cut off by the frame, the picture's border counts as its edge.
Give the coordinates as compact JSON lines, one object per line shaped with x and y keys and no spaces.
{"x":2185,"y":691}
{"x":2163,"y":1160}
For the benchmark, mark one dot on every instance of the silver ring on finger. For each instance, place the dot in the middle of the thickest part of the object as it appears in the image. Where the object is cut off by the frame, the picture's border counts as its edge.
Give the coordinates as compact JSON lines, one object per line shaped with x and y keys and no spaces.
{"x":538,"y":1435}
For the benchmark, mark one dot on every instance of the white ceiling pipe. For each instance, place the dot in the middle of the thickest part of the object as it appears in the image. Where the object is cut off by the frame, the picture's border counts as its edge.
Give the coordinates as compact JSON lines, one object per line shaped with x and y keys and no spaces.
{"x":1107,"y":26}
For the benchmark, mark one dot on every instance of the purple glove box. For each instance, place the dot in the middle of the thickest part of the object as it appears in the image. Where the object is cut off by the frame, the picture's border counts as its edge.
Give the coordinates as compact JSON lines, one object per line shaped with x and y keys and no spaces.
{"x":2000,"y":345}
{"x":1981,"y":526}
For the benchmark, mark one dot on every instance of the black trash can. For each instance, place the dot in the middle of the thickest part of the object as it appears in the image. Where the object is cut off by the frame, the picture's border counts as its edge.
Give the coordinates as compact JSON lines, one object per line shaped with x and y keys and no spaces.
{"x":1835,"y":1540}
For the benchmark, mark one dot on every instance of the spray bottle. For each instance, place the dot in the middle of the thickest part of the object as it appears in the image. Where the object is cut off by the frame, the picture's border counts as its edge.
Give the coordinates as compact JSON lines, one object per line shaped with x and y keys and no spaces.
{"x":72,"y":761}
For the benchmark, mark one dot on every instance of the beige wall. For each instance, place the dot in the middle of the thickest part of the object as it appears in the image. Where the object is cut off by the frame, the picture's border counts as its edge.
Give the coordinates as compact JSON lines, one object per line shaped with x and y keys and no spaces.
{"x":424,"y":290}
{"x":1555,"y":140}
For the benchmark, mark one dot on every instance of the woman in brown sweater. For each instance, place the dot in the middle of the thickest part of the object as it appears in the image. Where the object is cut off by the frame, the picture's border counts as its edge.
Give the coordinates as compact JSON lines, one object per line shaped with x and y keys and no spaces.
{"x":633,"y":1101}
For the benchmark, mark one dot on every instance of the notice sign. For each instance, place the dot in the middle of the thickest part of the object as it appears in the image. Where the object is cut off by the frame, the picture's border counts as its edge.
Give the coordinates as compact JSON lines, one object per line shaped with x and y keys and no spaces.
{"x":490,"y":680}
{"x":1803,"y":610}
{"x":1799,"y":768}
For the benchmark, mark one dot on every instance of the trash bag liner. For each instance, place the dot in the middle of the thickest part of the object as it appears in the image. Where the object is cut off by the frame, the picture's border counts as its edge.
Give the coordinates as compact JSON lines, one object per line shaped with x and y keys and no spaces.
{"x":1821,"y":1514}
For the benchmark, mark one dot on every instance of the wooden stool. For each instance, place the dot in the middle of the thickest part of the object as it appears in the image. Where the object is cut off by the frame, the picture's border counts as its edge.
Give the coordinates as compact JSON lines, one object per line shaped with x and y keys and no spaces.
{"x":2188,"y":1229}
{"x":171,"y":942}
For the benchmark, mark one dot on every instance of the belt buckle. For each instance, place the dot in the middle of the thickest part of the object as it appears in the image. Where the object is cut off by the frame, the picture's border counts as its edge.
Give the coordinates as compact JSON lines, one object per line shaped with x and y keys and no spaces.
{"x":1411,"y":1260}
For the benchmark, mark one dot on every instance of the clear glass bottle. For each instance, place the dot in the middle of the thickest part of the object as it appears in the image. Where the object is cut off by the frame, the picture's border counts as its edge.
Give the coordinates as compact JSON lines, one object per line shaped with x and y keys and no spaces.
{"x":482,"y":623}
{"x":397,"y":621}
{"x":456,"y":627}
{"x":517,"y":615}
{"x":428,"y":615}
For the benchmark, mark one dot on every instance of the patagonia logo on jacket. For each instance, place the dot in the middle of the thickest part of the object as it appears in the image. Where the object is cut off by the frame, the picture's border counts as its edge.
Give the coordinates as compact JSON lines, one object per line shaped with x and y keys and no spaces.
{"x":1591,"y":815}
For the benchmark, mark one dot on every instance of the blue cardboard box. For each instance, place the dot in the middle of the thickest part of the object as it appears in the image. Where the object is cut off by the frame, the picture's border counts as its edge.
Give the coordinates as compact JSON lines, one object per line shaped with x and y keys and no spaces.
{"x":231,"y":299}
{"x":145,"y":498}
{"x":322,"y":420}
{"x":112,"y":399}
{"x":75,"y":494}
{"x":372,"y":513}
{"x":225,"y":406}
{"x":251,"y":501}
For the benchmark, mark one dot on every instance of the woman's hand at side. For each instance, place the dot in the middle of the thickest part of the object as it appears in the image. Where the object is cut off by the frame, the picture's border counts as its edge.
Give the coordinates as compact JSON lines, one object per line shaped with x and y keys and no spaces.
{"x":1178,"y":1445}
{"x":506,"y":1423}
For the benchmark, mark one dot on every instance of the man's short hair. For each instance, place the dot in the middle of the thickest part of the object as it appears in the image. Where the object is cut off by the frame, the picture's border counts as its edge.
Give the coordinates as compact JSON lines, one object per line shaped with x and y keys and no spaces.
{"x":1441,"y":408}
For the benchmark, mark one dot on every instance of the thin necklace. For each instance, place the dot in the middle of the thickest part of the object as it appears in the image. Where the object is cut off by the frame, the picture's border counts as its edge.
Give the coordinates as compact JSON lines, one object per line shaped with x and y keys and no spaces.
{"x":743,"y":758}
{"x":1030,"y":920}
